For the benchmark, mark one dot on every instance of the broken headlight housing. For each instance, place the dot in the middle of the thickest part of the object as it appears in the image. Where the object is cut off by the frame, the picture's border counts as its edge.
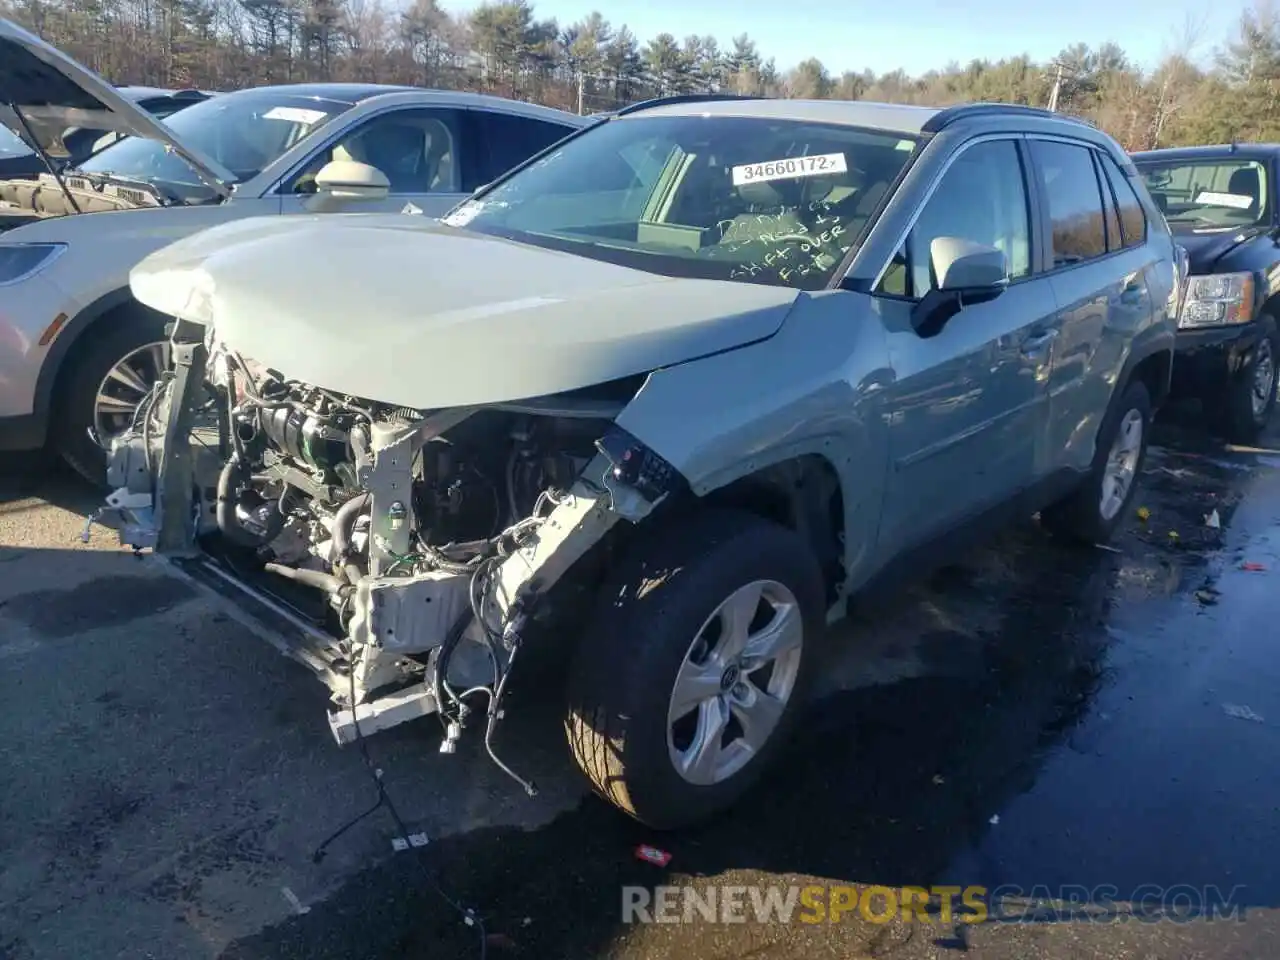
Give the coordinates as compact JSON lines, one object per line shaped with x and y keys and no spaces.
{"x":634,"y":464}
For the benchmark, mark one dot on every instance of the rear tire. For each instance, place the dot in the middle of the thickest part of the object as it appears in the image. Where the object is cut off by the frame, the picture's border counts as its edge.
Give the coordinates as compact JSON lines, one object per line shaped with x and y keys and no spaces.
{"x":114,"y":338}
{"x":661,"y":628}
{"x":1092,"y":513}
{"x":1250,"y":397}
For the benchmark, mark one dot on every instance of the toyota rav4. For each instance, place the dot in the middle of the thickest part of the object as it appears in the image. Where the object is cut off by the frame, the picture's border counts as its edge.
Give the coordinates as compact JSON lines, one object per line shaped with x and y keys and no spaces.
{"x":678,"y":387}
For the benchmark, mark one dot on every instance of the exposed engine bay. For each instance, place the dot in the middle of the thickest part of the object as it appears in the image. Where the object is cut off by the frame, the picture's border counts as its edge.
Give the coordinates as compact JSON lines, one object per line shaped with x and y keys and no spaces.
{"x":423,"y":541}
{"x":44,"y":197}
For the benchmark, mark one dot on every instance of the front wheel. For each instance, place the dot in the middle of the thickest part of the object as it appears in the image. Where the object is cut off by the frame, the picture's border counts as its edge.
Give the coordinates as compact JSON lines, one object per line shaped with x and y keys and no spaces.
{"x":119,"y":361}
{"x":1250,"y":397}
{"x":1099,"y":504}
{"x":688,"y":678}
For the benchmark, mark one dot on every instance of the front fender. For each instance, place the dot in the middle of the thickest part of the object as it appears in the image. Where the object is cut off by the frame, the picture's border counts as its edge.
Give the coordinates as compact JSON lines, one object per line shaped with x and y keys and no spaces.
{"x":813,"y":388}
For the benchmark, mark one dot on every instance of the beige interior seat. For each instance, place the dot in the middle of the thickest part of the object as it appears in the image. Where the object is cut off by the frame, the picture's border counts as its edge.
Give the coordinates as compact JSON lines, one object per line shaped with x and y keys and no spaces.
{"x":416,"y":156}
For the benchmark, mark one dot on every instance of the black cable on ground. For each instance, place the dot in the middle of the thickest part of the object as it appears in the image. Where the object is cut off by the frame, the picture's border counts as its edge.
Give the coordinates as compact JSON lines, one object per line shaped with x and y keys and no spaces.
{"x":468,"y":915}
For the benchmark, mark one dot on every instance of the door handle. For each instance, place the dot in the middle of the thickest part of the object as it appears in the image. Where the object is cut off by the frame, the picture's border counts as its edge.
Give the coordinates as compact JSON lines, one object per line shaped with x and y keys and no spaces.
{"x":1035,"y":346}
{"x":1133,"y":288}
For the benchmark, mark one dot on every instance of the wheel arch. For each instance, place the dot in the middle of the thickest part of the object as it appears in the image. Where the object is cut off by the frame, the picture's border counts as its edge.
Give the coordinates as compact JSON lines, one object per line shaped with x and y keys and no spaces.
{"x":64,"y":347}
{"x":1271,"y":306}
{"x":803,"y":493}
{"x":76,"y":334}
{"x":1269,"y":311}
{"x":1151,"y":363}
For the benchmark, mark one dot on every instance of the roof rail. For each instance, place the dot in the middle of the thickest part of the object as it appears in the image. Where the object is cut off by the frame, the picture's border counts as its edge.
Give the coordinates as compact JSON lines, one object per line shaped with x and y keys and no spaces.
{"x":963,"y":111}
{"x":682,"y":98}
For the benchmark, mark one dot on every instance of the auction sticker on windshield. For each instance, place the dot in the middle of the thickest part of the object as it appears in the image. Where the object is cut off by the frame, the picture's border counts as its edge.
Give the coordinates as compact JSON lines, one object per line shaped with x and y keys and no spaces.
{"x":294,"y":115}
{"x":813,"y":166}
{"x":1237,"y":200}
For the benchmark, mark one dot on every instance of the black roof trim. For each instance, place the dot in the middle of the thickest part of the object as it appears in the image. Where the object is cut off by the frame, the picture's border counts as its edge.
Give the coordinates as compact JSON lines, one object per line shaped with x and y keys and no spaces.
{"x":682,"y":98}
{"x":965,"y":111}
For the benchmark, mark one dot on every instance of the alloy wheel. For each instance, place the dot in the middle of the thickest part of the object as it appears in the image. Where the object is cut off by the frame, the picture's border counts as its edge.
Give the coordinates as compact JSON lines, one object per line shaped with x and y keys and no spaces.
{"x":1264,"y":378}
{"x":1122,"y":464}
{"x":126,"y":384}
{"x":735,"y":682}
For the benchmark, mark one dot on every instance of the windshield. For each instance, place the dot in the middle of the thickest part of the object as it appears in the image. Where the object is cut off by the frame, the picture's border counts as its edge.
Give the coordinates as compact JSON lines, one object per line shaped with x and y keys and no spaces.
{"x":1208,"y":194}
{"x":243,"y":131}
{"x":727,"y":198}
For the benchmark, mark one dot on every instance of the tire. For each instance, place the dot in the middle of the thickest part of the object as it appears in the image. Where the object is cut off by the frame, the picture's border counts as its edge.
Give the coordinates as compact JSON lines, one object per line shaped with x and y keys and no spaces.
{"x":113,"y":339}
{"x":649,"y":624}
{"x":1240,"y":419}
{"x":1081,"y":516}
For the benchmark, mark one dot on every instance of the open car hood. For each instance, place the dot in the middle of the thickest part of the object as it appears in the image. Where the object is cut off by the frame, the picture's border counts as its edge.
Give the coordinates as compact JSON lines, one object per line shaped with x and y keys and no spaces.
{"x":51,"y":92}
{"x":400,"y":310}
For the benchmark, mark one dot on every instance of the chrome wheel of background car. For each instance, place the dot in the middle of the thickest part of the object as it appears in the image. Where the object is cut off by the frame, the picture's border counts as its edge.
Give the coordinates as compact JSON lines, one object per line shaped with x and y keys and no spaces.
{"x":735,"y":682}
{"x":1264,"y":377}
{"x":124,"y":386}
{"x":1122,"y":464}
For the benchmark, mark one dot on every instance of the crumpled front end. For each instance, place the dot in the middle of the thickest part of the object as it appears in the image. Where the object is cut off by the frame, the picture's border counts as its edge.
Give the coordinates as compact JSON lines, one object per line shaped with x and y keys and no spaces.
{"x":408,"y":552}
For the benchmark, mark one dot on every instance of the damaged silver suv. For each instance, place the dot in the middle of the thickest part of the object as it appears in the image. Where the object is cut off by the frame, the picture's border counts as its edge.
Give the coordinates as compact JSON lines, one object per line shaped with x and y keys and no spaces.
{"x":675,"y":389}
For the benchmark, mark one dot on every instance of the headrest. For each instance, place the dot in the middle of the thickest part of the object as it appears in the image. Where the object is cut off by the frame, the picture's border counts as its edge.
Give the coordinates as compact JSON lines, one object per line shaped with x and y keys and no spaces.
{"x":391,"y":141}
{"x":1244,"y":183}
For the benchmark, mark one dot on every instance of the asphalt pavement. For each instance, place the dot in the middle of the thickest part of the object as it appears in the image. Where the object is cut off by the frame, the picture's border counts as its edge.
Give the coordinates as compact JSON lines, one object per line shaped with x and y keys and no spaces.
{"x":1031,"y":720}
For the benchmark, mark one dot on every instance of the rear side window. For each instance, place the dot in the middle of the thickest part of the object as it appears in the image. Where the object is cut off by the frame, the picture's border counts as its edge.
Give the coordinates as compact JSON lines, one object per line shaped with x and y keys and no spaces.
{"x":1133,"y":220}
{"x":1075,"y":202}
{"x":513,"y":140}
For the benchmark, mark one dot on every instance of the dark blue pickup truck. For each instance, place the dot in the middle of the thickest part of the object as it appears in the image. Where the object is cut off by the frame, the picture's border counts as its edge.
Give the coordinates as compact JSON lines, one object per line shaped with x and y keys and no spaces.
{"x":1221,"y":204}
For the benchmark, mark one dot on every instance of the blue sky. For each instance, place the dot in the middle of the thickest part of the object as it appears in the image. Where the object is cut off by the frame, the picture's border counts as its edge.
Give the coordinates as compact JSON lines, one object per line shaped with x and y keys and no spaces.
{"x":849,"y":35}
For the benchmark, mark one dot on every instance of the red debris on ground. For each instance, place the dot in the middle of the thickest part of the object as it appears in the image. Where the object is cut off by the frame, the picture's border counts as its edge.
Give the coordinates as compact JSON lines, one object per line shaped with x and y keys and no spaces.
{"x":652,"y":855}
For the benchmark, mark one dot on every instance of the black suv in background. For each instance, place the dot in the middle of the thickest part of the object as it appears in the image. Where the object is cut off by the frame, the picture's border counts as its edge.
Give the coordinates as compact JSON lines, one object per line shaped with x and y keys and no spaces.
{"x":1220,"y":203}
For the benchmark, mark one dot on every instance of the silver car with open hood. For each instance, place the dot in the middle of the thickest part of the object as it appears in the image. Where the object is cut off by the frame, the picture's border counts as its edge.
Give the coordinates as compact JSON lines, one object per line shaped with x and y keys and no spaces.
{"x":77,"y":350}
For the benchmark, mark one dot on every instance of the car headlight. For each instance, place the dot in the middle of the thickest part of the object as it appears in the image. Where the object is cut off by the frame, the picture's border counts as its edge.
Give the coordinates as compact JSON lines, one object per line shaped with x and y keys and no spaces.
{"x":1217,"y":300}
{"x":21,"y":260}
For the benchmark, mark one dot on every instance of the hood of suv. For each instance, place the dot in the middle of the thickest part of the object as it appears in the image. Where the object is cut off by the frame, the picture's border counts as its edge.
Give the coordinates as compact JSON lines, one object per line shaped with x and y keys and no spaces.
{"x":398,"y":310}
{"x":1206,"y":250}
{"x":43,"y":92}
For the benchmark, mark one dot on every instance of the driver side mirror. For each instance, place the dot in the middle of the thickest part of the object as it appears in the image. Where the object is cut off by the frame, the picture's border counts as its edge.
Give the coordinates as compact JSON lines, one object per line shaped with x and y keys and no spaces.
{"x":351,"y":180}
{"x":965,"y":273}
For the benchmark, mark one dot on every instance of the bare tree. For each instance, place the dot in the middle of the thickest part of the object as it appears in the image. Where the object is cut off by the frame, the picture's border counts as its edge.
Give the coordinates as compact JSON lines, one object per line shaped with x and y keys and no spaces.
{"x":502,"y":46}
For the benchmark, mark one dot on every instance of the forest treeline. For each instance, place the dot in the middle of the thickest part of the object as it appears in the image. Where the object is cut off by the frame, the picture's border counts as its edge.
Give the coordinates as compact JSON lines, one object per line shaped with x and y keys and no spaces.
{"x":504,"y":47}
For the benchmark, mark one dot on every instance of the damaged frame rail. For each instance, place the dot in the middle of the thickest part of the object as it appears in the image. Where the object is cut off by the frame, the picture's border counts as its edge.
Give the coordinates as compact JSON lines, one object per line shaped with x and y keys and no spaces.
{"x":157,"y":504}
